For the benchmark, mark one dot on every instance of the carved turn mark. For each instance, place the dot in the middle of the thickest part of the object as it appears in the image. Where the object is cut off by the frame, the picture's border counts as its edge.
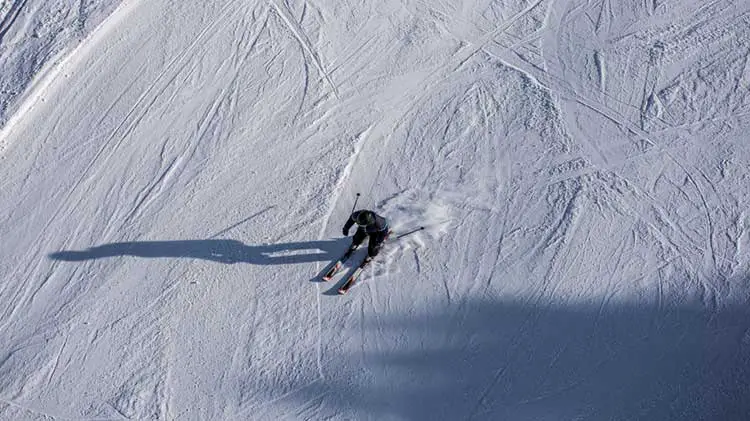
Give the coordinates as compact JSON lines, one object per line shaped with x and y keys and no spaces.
{"x":601,"y":71}
{"x":286,"y":15}
{"x":650,"y":104}
{"x":10,"y":17}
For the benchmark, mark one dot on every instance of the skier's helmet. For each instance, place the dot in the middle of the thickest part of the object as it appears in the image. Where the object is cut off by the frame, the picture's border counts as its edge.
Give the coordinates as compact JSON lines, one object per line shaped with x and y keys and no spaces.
{"x":365,"y":218}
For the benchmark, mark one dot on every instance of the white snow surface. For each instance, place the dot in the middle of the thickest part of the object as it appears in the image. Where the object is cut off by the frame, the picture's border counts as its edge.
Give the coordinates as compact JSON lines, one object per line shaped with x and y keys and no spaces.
{"x":174,"y":177}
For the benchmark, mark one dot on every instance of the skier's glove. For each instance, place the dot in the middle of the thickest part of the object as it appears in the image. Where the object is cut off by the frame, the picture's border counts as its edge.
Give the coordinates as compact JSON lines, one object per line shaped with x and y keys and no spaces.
{"x":346,"y":232}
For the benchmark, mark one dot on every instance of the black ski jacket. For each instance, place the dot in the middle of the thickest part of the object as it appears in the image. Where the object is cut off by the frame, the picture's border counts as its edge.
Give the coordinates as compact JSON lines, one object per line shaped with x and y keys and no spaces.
{"x":380,"y":225}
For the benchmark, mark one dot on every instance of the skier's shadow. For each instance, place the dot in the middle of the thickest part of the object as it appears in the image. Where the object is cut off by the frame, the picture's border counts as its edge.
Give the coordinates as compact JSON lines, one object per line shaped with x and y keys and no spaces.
{"x":221,"y":251}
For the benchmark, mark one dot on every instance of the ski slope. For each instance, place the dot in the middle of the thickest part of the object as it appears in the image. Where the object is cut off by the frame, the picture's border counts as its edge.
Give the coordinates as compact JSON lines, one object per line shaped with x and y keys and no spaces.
{"x":174,"y":177}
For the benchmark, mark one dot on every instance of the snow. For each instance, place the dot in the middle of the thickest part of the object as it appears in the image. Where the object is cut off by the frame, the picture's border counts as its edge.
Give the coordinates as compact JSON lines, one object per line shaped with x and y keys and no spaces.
{"x":175,"y":176}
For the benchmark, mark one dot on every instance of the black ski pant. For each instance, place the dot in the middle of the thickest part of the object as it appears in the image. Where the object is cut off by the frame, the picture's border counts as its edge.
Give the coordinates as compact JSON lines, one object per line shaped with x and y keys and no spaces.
{"x":376,"y":240}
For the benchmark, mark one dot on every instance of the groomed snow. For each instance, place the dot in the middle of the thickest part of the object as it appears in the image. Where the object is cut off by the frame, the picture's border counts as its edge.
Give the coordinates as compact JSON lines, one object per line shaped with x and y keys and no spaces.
{"x":174,"y":176}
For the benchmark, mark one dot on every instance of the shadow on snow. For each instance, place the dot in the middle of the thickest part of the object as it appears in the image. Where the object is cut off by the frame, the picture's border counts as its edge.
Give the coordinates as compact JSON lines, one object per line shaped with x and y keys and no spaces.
{"x":222,"y":251}
{"x":482,"y":360}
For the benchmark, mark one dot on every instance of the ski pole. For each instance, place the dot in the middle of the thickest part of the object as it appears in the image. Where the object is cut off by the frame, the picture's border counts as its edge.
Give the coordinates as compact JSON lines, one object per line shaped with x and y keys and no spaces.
{"x":355,"y":203}
{"x":410,"y":232}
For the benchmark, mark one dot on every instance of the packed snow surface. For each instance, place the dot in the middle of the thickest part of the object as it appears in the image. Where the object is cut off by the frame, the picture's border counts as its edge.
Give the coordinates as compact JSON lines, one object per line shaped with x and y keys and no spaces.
{"x":174,"y":177}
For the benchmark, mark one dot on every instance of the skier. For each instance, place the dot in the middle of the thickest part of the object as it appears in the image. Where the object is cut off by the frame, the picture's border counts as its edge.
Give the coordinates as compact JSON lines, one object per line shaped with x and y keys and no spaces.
{"x":369,"y":224}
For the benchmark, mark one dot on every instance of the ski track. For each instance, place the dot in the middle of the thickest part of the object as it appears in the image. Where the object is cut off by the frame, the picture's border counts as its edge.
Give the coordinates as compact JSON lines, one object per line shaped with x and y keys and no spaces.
{"x":10,"y":17}
{"x":118,"y":135}
{"x":286,"y":15}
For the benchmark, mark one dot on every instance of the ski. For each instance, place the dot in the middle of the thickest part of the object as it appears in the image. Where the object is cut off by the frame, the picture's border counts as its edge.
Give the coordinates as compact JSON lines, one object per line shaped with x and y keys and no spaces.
{"x":354,"y":276}
{"x":335,"y":268}
{"x":357,"y":272}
